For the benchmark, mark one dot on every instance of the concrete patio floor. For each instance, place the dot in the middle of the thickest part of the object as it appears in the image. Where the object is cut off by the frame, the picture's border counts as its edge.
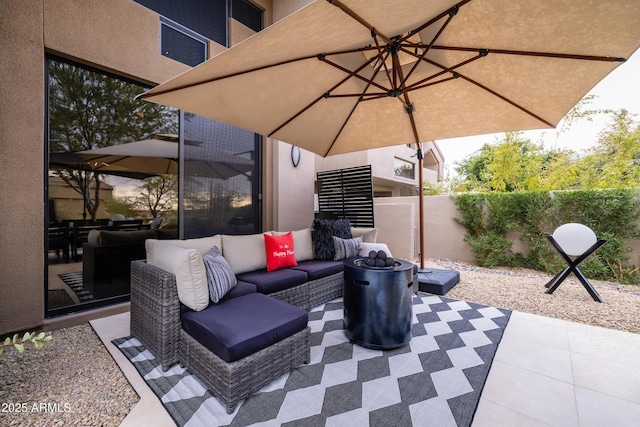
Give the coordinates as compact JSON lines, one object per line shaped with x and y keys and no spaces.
{"x":546,"y":372}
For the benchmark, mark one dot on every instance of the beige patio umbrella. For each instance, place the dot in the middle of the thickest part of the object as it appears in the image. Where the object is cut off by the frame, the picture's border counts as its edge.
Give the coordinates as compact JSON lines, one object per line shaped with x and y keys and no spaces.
{"x":342,"y":76}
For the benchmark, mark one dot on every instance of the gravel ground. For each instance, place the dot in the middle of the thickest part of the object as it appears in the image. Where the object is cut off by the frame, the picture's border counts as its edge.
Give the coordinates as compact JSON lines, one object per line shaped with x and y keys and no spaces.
{"x":71,"y":382}
{"x":523,"y":290}
{"x":75,"y":382}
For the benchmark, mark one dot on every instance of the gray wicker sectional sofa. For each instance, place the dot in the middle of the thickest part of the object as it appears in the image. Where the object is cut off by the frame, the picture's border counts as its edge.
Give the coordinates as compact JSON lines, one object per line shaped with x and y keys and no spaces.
{"x":255,"y":332}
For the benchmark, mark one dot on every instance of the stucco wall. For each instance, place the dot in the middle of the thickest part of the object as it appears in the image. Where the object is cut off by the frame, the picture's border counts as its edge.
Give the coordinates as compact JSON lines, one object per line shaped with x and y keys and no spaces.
{"x":21,"y":163}
{"x":118,"y":35}
{"x":293,"y":188}
{"x":443,"y":237}
{"x":396,"y":223}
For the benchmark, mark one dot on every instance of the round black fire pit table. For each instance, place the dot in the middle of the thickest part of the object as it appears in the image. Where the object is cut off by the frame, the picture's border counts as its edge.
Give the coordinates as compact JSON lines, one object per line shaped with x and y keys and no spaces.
{"x":378,"y":303}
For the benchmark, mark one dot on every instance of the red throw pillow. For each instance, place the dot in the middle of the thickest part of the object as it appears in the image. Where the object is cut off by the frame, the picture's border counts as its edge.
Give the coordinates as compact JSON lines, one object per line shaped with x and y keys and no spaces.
{"x":279,"y":251}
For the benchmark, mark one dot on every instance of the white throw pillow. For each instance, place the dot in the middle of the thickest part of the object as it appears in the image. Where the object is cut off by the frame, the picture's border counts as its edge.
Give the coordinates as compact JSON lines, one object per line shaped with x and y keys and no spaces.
{"x":191,"y":277}
{"x":302,"y":242}
{"x":369,"y":235}
{"x":202,"y":244}
{"x":365,"y":248}
{"x":245,"y":252}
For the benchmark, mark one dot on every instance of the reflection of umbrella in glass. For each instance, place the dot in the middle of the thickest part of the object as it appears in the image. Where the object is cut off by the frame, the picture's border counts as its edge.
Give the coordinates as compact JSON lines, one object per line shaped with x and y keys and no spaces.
{"x":159,"y":155}
{"x":346,"y":75}
{"x":71,"y":161}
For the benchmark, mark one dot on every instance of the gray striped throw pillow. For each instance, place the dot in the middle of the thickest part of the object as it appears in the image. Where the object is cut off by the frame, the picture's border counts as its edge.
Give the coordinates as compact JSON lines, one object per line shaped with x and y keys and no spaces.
{"x":346,"y":248}
{"x":220,"y":276}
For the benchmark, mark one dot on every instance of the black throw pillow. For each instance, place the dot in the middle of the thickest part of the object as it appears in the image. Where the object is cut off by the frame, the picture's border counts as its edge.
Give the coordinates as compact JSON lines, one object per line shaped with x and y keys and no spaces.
{"x":322,"y":232}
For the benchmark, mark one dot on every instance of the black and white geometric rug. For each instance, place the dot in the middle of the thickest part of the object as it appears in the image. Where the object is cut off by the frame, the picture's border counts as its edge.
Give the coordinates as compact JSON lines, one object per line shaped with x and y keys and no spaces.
{"x":436,"y":380}
{"x":74,"y":281}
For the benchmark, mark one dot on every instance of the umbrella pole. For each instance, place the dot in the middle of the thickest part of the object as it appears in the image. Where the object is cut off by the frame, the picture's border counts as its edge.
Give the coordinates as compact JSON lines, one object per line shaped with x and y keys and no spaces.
{"x":421,"y":205}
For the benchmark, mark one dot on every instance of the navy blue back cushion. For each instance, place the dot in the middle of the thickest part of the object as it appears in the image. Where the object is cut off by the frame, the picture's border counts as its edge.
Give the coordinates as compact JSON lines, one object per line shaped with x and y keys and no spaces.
{"x":317,"y":269}
{"x":268,"y":282}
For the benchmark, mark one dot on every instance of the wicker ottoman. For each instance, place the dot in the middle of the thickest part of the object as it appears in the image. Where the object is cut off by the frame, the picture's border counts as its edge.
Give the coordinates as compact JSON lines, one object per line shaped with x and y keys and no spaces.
{"x":237,"y":347}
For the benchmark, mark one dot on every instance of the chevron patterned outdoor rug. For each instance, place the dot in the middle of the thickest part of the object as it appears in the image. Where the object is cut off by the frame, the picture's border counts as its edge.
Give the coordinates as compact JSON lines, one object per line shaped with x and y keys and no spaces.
{"x":74,"y":281}
{"x":436,"y":380}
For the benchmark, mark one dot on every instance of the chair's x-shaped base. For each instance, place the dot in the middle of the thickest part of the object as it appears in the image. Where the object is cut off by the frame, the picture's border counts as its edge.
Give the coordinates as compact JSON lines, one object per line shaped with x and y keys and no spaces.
{"x":573,"y":267}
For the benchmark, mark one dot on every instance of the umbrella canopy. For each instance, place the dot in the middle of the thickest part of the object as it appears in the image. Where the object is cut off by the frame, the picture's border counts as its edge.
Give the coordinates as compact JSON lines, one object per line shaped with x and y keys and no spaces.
{"x":159,"y":155}
{"x":71,"y":161}
{"x":336,"y":77}
{"x":342,"y":76}
{"x":156,"y":155}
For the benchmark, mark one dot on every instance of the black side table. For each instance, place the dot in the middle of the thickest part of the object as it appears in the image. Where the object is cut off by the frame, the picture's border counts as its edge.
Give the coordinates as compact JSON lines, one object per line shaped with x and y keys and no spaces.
{"x":378,"y":304}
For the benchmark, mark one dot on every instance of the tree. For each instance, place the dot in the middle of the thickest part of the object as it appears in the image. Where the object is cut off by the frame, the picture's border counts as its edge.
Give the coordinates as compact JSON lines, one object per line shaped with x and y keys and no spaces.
{"x":158,"y":195}
{"x":90,"y":110}
{"x":614,"y":162}
{"x":516,"y":164}
{"x":513,"y":164}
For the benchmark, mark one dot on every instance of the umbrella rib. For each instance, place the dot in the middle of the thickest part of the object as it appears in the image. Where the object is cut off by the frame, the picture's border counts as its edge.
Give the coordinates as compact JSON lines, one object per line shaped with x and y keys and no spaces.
{"x":435,"y":19}
{"x":415,"y":85}
{"x":452,"y":12}
{"x":408,"y":106}
{"x":383,"y":60}
{"x":529,"y":53}
{"x":456,"y":75}
{"x":324,"y":95}
{"x":351,"y":74}
{"x":359,"y":19}
{"x":352,"y":111}
{"x":341,"y":128}
{"x":504,"y":98}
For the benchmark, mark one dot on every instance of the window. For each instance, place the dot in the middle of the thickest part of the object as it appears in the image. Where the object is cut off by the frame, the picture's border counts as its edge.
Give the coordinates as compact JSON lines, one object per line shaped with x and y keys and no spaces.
{"x":221,"y":180}
{"x":185,"y":24}
{"x":404,"y":169}
{"x":205,"y":17}
{"x":179,"y":43}
{"x":87,"y":110}
{"x":245,"y":12}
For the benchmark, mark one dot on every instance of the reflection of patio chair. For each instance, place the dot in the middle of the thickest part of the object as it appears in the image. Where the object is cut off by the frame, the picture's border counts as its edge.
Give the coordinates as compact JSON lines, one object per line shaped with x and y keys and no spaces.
{"x":577,"y":241}
{"x":59,"y":239}
{"x":80,"y":234}
{"x":126,"y":225}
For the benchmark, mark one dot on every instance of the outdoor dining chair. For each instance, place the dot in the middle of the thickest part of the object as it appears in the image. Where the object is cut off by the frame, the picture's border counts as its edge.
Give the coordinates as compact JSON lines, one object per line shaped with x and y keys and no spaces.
{"x":575,"y":243}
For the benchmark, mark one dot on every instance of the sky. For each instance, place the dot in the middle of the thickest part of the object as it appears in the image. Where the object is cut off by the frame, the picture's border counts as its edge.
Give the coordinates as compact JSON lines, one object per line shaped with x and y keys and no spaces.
{"x":620,"y":89}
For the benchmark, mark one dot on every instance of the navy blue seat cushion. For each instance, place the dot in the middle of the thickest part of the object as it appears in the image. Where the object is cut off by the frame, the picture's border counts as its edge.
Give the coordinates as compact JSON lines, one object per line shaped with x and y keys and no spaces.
{"x":317,"y":269}
{"x":241,"y":326}
{"x":268,"y":282}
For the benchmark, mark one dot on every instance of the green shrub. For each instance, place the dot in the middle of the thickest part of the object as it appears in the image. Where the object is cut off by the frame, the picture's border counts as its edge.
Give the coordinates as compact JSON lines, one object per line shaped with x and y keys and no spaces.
{"x":612,"y":214}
